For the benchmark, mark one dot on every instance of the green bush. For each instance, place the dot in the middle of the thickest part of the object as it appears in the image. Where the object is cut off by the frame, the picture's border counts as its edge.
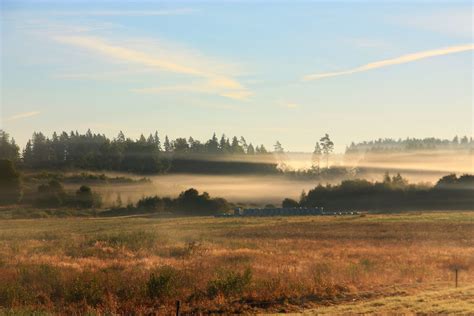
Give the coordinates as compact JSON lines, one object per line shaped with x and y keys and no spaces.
{"x":151,"y":204}
{"x":51,"y":195}
{"x":86,"y":198}
{"x":85,"y":288}
{"x":12,"y":294}
{"x":229,"y":283}
{"x":163,"y":283}
{"x":289,"y":203}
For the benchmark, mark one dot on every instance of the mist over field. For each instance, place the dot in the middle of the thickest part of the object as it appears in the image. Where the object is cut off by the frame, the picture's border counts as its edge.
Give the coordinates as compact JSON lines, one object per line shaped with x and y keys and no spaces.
{"x":417,"y":167}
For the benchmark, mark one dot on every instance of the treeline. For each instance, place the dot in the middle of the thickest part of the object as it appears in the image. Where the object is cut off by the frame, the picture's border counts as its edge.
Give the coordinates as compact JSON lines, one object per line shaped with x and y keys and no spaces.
{"x":189,"y":203}
{"x":82,"y":177}
{"x":393,"y":193}
{"x":411,"y":144}
{"x":91,"y":151}
{"x":53,"y":195}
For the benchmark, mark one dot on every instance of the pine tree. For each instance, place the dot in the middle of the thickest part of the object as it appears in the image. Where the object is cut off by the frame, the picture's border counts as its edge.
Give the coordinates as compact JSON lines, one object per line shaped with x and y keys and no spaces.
{"x":223,"y":148}
{"x":156,"y":140}
{"x":278,"y":148}
{"x":327,"y":147}
{"x":316,"y":159}
{"x":235,"y":146}
{"x":250,"y":149}
{"x":167,"y":144}
{"x":243,"y":144}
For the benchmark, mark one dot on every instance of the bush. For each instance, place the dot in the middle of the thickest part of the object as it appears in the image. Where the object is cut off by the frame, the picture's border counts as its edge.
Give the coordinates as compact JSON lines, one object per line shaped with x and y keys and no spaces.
{"x":289,"y":203}
{"x":86,"y":198}
{"x":229,"y":283}
{"x":51,"y":195}
{"x":163,"y":283}
{"x":150,"y":204}
{"x":85,"y":288}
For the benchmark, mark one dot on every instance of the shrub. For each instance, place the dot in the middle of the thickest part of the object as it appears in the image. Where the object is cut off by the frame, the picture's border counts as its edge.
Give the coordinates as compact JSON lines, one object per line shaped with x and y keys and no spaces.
{"x":289,"y":203}
{"x":190,"y":202}
{"x":86,"y":198}
{"x":85,"y":288}
{"x":151,"y":204}
{"x":14,"y":294}
{"x":51,"y":194}
{"x":162,"y":284}
{"x":41,"y":278}
{"x":229,"y":283}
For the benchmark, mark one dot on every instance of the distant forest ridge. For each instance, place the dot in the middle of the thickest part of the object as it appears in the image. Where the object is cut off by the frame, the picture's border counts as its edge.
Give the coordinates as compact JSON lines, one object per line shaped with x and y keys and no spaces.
{"x":411,"y":144}
{"x":216,"y":155}
{"x":143,"y":155}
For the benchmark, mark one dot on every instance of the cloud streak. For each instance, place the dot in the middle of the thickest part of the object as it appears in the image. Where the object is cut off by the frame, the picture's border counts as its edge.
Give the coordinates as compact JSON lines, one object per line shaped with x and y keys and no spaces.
{"x":221,"y":84}
{"x":123,"y":12}
{"x":22,"y":116}
{"x":394,"y":61}
{"x":206,"y":88}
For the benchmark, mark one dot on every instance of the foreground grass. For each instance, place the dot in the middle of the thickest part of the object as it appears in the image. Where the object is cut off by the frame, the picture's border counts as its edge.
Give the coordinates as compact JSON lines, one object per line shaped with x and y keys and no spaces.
{"x":452,"y":301}
{"x":142,"y":265}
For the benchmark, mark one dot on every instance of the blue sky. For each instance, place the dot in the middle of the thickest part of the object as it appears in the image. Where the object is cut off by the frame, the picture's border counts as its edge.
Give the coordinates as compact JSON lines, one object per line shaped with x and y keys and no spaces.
{"x":287,"y":71}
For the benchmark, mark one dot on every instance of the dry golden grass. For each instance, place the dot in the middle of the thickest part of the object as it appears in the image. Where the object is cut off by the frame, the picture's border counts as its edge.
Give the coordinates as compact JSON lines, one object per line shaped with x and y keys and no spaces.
{"x":119,"y":265}
{"x":432,"y":301}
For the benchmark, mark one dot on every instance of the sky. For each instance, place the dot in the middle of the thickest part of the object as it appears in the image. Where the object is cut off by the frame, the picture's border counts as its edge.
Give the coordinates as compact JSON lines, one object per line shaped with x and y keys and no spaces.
{"x":267,"y":70}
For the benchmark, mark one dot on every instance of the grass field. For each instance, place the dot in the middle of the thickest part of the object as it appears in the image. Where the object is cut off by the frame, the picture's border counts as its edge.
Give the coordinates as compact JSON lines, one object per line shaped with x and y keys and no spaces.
{"x":368,"y":263}
{"x":430,"y":300}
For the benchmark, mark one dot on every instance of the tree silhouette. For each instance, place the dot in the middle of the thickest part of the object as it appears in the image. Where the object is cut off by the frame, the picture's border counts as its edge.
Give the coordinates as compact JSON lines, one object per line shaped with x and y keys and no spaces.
{"x":144,"y":155}
{"x":10,"y":183}
{"x":278,"y":148}
{"x":316,"y":158}
{"x":250,"y":149}
{"x":167,"y":145}
{"x":327,"y":146}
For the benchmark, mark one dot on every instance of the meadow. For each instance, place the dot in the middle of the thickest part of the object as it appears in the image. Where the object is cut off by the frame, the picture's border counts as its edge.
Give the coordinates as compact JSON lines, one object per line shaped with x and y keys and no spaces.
{"x":142,"y":265}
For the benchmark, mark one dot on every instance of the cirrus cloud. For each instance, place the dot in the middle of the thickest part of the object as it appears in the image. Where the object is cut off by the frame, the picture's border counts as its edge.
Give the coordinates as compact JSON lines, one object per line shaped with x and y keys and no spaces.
{"x":394,"y":61}
{"x":167,"y":61}
{"x":22,"y":116}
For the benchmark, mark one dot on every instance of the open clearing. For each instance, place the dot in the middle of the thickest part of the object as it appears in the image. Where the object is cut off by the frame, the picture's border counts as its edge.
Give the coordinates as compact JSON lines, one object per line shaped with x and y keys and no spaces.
{"x":370,"y":263}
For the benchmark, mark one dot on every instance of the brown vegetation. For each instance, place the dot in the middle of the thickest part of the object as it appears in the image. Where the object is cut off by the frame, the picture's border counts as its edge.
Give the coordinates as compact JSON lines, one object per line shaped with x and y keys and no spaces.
{"x":143,"y":265}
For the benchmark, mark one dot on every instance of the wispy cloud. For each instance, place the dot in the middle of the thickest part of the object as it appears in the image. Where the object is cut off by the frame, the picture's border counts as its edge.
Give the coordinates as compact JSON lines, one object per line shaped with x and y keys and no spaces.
{"x":103,"y":75}
{"x":20,"y":116}
{"x":123,"y":12}
{"x":205,"y":88}
{"x":394,"y":61}
{"x":168,"y":61}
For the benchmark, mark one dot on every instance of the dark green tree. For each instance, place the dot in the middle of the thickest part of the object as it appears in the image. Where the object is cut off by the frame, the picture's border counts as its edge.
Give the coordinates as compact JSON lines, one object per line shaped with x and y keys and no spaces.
{"x":8,"y":148}
{"x":10,"y":183}
{"x":167,"y":144}
{"x":235,"y":147}
{"x":212,"y":145}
